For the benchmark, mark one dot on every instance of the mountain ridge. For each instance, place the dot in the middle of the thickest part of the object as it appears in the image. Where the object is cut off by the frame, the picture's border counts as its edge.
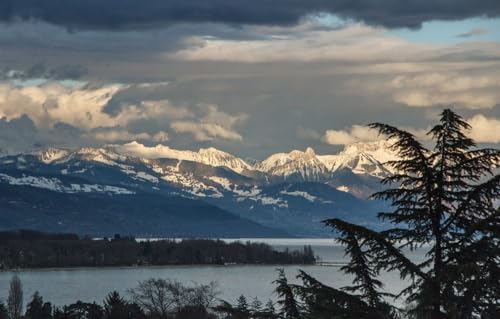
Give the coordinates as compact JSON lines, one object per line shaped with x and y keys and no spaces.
{"x":368,"y":158}
{"x":289,"y":191}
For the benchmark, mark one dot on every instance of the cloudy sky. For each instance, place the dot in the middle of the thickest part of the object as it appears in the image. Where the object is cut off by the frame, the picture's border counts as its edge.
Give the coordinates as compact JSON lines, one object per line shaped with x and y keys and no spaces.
{"x":249,"y":77}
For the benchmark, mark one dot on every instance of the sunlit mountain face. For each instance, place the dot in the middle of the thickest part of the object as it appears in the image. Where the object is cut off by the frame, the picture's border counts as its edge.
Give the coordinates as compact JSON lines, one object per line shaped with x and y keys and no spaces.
{"x":287,"y":192}
{"x":257,"y":109}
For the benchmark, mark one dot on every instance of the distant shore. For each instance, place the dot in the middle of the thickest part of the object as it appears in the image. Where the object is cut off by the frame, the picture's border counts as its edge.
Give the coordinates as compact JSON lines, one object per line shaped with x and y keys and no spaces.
{"x":36,"y":250}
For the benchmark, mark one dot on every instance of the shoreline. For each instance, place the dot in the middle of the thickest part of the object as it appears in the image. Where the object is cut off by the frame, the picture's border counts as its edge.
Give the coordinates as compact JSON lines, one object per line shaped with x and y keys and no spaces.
{"x":75,"y":268}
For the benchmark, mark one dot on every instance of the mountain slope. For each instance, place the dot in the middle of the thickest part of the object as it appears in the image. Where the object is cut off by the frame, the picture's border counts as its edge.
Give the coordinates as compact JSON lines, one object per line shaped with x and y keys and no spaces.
{"x":362,"y":159}
{"x":209,"y":156}
{"x":289,"y":191}
{"x":295,"y":166}
{"x":140,"y":214}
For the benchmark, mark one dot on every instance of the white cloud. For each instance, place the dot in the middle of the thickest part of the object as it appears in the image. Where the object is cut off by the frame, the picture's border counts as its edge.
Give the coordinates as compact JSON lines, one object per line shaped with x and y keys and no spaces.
{"x":484,"y":130}
{"x":161,"y":136}
{"x":355,"y":42}
{"x":81,"y":107}
{"x":357,"y":133}
{"x":162,"y":108}
{"x":214,"y":116}
{"x":140,"y":150}
{"x":50,"y":103}
{"x":214,"y":124}
{"x":116,"y":135}
{"x":447,"y":88}
{"x":205,"y":131}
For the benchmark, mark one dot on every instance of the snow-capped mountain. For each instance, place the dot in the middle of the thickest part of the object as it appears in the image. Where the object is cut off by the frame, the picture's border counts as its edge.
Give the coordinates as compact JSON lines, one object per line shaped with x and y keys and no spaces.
{"x":52,"y":154}
{"x":362,"y":159}
{"x":209,"y":172}
{"x":296,"y":165}
{"x":293,"y":191}
{"x":209,"y":156}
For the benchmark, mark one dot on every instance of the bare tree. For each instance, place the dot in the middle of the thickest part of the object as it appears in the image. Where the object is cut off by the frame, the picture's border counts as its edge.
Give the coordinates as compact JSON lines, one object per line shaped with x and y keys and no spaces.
{"x":161,"y":297}
{"x":202,"y":295}
{"x":15,"y":299}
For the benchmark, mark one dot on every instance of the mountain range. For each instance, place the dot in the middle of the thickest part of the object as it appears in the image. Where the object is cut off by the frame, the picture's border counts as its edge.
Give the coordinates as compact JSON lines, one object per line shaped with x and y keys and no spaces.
{"x":161,"y":191}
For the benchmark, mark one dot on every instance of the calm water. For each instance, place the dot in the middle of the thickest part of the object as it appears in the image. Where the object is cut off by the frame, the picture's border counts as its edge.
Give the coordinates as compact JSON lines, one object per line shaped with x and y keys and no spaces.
{"x":92,"y":284}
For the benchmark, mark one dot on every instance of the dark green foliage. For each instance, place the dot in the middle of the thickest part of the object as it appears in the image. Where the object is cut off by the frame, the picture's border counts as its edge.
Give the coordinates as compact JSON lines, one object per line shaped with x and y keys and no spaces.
{"x":3,"y":311}
{"x":242,"y":304}
{"x":46,"y":250}
{"x":446,"y":198}
{"x":37,"y":309}
{"x":268,"y":312}
{"x":244,"y":311}
{"x":288,"y":304}
{"x":115,"y":307}
{"x":256,"y":305}
{"x":80,"y":310}
{"x":194,"y":312}
{"x":322,"y":301}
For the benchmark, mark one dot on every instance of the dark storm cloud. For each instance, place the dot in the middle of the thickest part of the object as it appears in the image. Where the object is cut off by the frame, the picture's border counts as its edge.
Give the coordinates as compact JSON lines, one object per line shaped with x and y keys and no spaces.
{"x":132,"y":14}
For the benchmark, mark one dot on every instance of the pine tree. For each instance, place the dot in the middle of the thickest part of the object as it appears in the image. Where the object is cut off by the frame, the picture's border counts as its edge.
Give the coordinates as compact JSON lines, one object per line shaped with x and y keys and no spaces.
{"x":287,"y":300}
{"x":242,"y":304}
{"x":445,"y":198}
{"x":115,"y":307}
{"x":37,"y":309}
{"x":256,"y":305}
{"x":269,"y":307}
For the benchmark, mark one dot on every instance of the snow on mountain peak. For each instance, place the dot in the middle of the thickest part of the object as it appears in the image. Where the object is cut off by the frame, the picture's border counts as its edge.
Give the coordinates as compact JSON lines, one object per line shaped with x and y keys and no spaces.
{"x":310,"y":151}
{"x":363,"y":158}
{"x":380,"y":150}
{"x":360,"y":158}
{"x":209,"y":156}
{"x":215,"y":157}
{"x":52,"y":154}
{"x":304,"y":164}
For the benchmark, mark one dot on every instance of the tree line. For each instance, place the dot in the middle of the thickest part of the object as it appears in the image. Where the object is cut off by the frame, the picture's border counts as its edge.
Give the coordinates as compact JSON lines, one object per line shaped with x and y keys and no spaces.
{"x":29,"y":249}
{"x":150,"y":299}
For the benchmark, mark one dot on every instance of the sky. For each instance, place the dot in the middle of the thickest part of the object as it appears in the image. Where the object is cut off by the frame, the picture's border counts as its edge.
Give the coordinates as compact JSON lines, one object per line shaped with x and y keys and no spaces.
{"x":248,"y":77}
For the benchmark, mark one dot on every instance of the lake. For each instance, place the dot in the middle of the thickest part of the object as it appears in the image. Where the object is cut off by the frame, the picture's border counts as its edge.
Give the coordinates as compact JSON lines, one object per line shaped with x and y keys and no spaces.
{"x":65,"y":286}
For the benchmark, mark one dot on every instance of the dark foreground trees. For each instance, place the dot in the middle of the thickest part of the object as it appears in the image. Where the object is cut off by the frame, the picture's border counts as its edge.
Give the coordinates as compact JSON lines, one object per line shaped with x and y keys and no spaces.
{"x":444,"y":198}
{"x":15,"y":298}
{"x":160,"y":298}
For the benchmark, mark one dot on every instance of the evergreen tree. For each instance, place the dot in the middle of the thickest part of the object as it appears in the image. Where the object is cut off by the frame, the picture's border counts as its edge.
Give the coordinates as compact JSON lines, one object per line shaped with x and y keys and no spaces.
{"x":15,"y":298}
{"x":242,"y":304}
{"x":446,"y":197}
{"x":115,"y":307}
{"x":287,"y":301}
{"x":269,"y":307}
{"x":37,"y":309}
{"x":256,"y":305}
{"x":80,"y":310}
{"x":268,"y":312}
{"x":3,"y":311}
